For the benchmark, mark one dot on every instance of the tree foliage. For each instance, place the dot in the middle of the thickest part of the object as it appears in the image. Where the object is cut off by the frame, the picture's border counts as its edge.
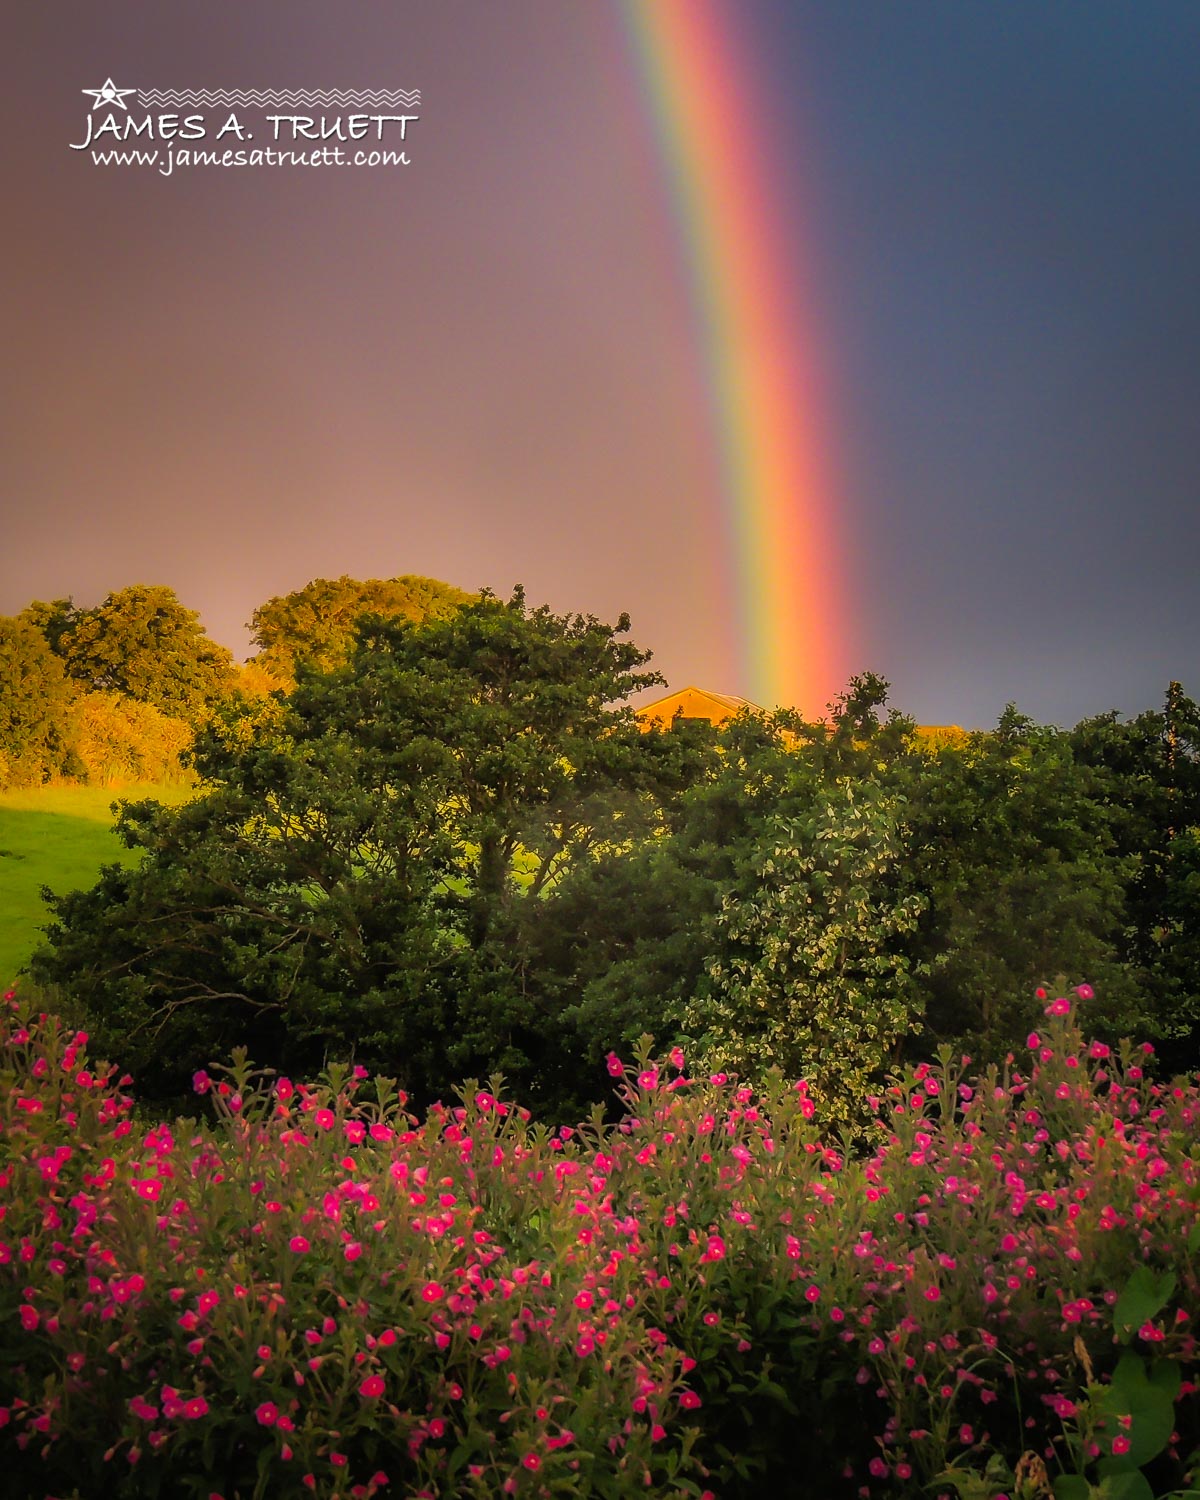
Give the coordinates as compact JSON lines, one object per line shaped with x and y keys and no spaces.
{"x":140,"y":642}
{"x":315,"y":625}
{"x":810,"y":975}
{"x":36,"y":720}
{"x":117,"y":739}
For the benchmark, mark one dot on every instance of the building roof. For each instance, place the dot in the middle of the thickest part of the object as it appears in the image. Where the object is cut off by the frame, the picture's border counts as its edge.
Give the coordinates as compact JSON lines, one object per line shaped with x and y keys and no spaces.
{"x":693,"y":703}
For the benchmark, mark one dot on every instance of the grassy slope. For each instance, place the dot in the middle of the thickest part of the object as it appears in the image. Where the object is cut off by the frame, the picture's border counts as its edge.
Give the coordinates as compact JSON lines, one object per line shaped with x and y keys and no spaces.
{"x":57,"y":836}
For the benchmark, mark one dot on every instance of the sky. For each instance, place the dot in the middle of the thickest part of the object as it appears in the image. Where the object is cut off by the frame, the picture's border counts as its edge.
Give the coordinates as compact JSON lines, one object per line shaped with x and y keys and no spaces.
{"x":489,"y":365}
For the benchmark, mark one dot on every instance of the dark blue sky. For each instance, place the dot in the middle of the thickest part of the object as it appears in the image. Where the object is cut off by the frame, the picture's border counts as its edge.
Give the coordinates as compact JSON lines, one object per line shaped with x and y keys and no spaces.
{"x":1011,"y":248}
{"x":483,"y":368}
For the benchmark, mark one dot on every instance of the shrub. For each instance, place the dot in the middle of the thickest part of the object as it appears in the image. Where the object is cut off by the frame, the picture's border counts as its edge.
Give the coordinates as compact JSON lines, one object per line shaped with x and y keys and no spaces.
{"x":119,"y":739}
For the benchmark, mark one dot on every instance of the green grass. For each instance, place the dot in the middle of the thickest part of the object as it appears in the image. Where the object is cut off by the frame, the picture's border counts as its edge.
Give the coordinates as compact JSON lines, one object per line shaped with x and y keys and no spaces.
{"x":57,"y":836}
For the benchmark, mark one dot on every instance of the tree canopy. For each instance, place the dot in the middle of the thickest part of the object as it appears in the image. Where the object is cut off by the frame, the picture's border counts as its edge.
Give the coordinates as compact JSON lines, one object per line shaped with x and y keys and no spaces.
{"x":315,"y":624}
{"x":140,"y":642}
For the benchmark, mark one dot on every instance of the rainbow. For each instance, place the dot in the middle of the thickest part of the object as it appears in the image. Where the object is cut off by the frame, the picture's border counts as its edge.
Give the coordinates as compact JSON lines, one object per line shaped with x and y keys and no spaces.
{"x":760,"y":368}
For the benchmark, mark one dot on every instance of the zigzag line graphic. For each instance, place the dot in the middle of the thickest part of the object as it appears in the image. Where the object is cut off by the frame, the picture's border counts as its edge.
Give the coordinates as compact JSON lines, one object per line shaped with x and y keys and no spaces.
{"x":262,"y":98}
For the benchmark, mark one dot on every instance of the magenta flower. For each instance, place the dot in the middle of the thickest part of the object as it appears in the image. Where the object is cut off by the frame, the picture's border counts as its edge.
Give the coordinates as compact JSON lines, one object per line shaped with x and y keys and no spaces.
{"x":372,"y":1386}
{"x":201,"y":1082}
{"x":298,"y":1245}
{"x":267,"y":1414}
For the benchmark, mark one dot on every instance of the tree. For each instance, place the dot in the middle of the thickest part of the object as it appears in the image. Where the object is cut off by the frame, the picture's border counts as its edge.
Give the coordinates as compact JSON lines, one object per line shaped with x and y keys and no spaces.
{"x":1012,"y":840}
{"x":140,"y":642}
{"x":1149,"y":767}
{"x":367,"y":870}
{"x":810,"y":974}
{"x":315,"y":624}
{"x":36,"y":711}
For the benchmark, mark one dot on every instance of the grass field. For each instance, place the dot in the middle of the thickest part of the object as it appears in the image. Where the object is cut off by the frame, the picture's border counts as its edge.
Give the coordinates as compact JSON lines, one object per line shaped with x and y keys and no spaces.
{"x":57,"y":836}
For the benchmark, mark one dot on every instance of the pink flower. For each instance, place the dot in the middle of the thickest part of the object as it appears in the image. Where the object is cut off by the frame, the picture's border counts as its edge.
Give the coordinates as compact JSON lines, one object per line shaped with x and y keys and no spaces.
{"x":1120,"y":1445}
{"x":614,"y":1064}
{"x":298,"y":1245}
{"x":195,"y":1408}
{"x":433,"y":1291}
{"x":532,"y":1462}
{"x":324,"y":1119}
{"x":648,"y":1079}
{"x":1059,"y":1007}
{"x":1085,"y":992}
{"x":201,"y":1082}
{"x":371,"y":1386}
{"x":267,"y":1414}
{"x":689,"y":1400}
{"x":1033,"y":1041}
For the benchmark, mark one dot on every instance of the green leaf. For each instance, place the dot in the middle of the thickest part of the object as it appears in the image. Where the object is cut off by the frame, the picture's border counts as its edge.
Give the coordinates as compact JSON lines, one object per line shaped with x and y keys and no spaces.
{"x":1153,"y":1420}
{"x":1072,"y":1487}
{"x":1132,"y":1486}
{"x":1166,"y":1376}
{"x":1144,"y":1296}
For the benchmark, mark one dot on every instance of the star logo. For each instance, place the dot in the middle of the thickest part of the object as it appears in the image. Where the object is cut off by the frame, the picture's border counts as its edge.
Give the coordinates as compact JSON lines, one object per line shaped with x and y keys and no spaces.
{"x":108,"y":93}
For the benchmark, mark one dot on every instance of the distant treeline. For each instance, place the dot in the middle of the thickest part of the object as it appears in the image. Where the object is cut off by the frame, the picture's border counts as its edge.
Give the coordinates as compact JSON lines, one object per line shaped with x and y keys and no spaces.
{"x":114,"y":693}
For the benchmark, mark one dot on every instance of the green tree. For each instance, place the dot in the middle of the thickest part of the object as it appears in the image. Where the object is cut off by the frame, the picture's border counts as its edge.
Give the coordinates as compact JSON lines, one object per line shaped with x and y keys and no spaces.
{"x":1012,"y":840}
{"x":1149,"y":768}
{"x":315,"y":624}
{"x":811,"y":975}
{"x":36,"y":707}
{"x":140,"y":642}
